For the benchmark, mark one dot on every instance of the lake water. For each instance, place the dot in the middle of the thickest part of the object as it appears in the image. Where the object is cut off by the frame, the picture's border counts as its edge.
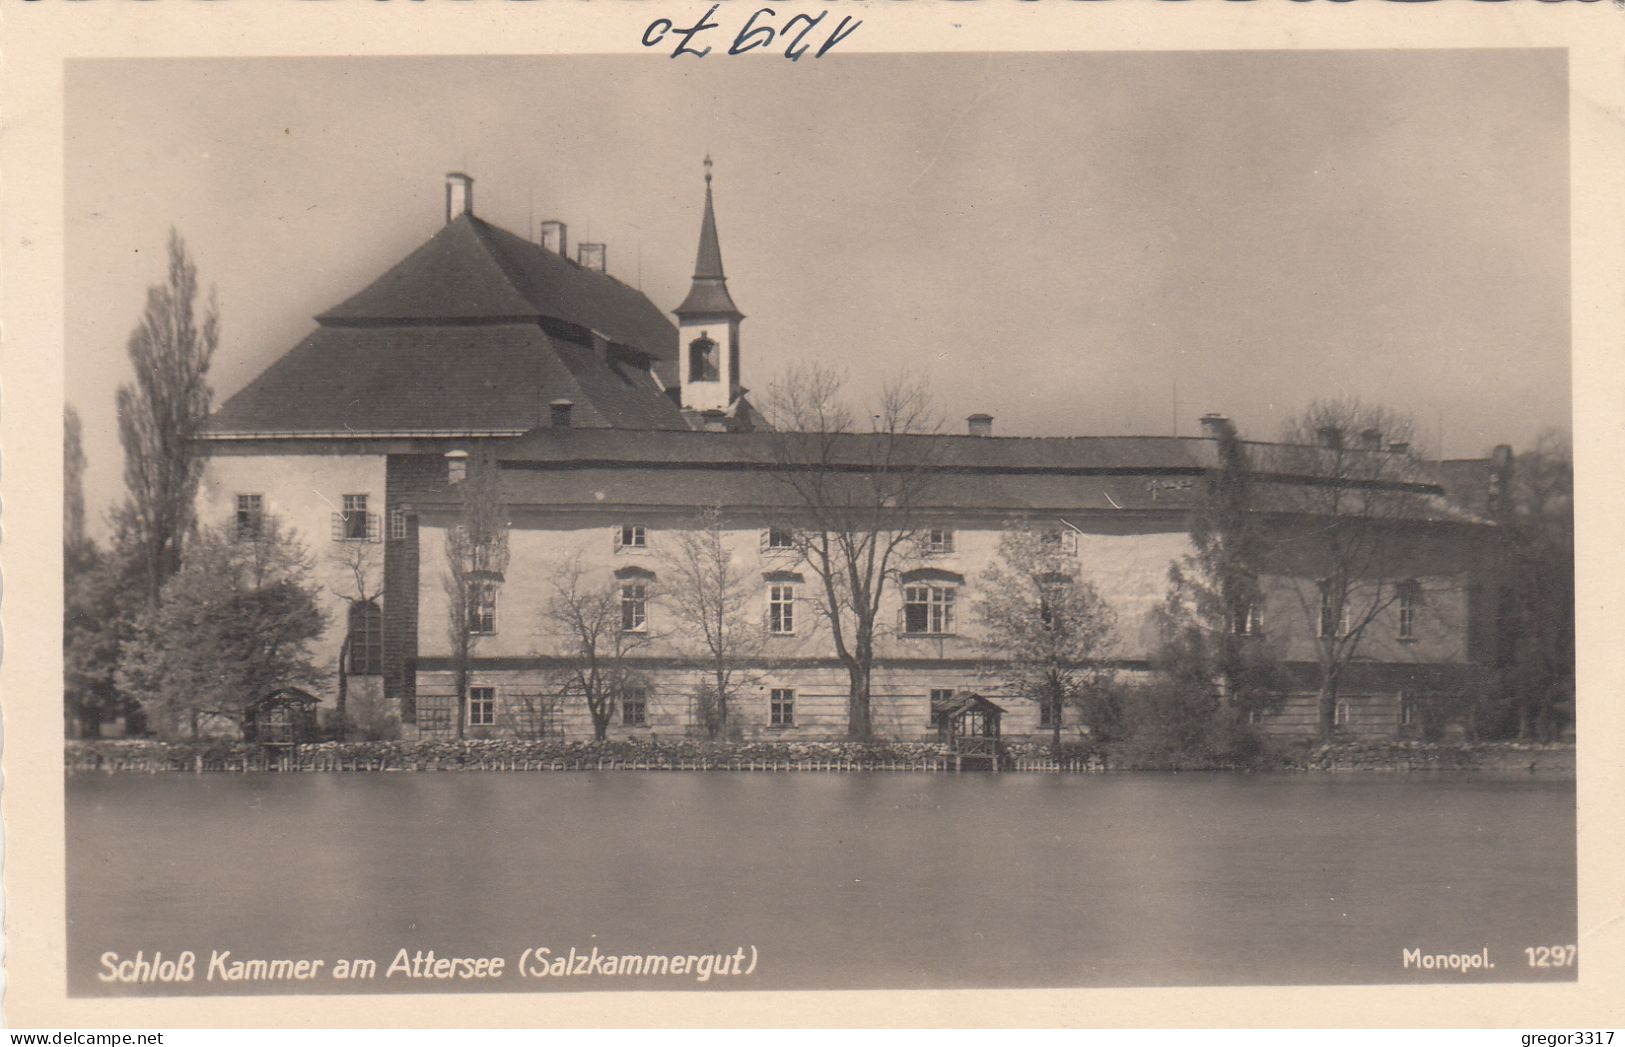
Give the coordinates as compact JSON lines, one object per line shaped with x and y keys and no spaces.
{"x":825,"y":880}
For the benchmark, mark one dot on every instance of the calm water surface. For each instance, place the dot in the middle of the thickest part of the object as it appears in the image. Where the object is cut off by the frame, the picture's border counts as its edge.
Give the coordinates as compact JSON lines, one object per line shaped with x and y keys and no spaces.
{"x":838,"y":881}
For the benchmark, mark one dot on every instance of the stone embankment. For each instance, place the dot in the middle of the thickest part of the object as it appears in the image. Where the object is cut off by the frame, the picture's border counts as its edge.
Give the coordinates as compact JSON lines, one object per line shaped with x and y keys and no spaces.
{"x":1549,"y":761}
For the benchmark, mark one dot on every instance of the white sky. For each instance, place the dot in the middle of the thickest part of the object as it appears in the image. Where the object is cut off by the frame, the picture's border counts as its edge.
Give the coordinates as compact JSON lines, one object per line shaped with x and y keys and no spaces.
{"x":1058,"y":239}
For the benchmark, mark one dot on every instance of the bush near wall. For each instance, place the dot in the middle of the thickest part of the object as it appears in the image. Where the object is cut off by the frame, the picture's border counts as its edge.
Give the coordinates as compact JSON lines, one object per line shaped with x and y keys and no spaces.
{"x":1548,"y":759}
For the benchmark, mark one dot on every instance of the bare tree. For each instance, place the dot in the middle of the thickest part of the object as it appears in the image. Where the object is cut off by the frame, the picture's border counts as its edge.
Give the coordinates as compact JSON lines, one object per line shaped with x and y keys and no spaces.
{"x":711,"y":596}
{"x":595,"y":627}
{"x":1348,"y":506}
{"x":358,"y":570}
{"x":159,"y":413}
{"x":855,"y":501}
{"x":476,"y":560}
{"x":1044,"y":627}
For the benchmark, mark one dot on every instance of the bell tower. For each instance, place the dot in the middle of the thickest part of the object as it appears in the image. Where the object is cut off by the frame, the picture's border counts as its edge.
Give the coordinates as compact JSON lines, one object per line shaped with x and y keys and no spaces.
{"x":708,"y":326}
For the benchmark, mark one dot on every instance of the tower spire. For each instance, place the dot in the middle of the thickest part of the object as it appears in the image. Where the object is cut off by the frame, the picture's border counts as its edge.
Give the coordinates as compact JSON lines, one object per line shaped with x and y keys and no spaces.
{"x":709,"y":293}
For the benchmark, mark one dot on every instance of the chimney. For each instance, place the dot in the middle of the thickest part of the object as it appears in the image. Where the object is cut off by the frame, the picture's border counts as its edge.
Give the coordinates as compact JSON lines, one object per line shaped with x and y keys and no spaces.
{"x":459,"y":195}
{"x":1399,"y":447}
{"x":456,"y":466}
{"x":1330,"y":437}
{"x":1371,"y":439}
{"x":1215,"y":425}
{"x":555,"y":238}
{"x":591,"y":256}
{"x":560,"y":410}
{"x":979,"y":425}
{"x":714,"y":421}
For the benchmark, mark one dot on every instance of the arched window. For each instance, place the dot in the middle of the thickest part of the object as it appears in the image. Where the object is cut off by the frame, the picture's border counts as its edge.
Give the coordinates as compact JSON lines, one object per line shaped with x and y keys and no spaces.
{"x":366,"y":638}
{"x":703,"y":365}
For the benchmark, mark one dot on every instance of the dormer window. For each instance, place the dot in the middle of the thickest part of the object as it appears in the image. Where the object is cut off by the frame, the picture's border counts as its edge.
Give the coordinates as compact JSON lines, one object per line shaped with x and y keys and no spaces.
{"x":703,"y":362}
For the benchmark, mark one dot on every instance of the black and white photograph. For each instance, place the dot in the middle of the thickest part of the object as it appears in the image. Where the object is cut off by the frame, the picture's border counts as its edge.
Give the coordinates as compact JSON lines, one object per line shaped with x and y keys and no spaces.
{"x":543,"y":524}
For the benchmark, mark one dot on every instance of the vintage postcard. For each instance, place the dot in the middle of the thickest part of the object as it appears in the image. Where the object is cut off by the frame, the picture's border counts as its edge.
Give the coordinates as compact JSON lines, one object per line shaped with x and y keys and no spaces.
{"x":693,"y":514}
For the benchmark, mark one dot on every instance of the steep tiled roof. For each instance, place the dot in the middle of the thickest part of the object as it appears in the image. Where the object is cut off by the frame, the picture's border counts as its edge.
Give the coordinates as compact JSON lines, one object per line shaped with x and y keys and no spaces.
{"x":475,"y":331}
{"x":465,"y":378}
{"x":471,"y":270}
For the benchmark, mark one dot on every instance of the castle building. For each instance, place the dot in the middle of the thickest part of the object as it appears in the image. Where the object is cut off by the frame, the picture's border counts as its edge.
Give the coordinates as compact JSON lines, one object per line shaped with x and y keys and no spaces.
{"x":616,"y":429}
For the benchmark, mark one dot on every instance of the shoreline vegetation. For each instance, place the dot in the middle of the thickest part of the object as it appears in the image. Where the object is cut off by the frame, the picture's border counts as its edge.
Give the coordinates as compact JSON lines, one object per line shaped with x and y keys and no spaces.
{"x":1544,"y":761}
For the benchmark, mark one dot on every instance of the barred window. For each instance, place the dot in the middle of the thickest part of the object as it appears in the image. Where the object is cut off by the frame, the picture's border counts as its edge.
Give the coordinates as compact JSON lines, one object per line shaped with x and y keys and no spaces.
{"x":781,"y":609}
{"x":782,"y":707}
{"x":366,"y":638}
{"x":482,"y":706}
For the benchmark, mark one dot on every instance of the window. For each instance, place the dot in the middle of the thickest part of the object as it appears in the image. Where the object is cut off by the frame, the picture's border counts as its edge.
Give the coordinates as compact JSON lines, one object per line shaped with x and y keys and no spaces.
{"x":482,"y":606}
{"x":1410,"y":602}
{"x":1056,"y":539}
{"x":1340,"y":717}
{"x":939,"y":540}
{"x":702,"y":359}
{"x":1249,"y":619}
{"x":781,"y":707}
{"x":928,"y":610}
{"x":482,"y":706}
{"x":1407,"y":711}
{"x":635,"y":708}
{"x":1334,"y":620}
{"x":1048,"y":712}
{"x":779,"y":538}
{"x":397,"y":524}
{"x":631,"y":536}
{"x":634,"y":606}
{"x":940,"y":697}
{"x":366,"y":638}
{"x":781,"y":608}
{"x":355,"y":517}
{"x":250,"y":516}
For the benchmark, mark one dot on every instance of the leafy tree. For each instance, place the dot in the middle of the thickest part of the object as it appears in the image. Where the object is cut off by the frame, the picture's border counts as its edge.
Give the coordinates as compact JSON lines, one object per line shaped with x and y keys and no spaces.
{"x":170,"y":352}
{"x":711,"y":596}
{"x":476,"y":560}
{"x":855,"y":502}
{"x":1347,"y":505}
{"x":1536,"y":662}
{"x":234,"y":625}
{"x":596,"y":634}
{"x":1210,"y":643}
{"x":1044,"y":627}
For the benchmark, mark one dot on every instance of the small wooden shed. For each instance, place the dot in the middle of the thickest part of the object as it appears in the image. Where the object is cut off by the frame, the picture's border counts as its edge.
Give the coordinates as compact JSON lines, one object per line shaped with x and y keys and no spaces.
{"x":971,"y":725}
{"x":286,"y":716}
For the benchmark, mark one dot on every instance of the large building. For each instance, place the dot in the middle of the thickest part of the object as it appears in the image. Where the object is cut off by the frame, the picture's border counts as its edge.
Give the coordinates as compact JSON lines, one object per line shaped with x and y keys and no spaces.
{"x":616,"y":429}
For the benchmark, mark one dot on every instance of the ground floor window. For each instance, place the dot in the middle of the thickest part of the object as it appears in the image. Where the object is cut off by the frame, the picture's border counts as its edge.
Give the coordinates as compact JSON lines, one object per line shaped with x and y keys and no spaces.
{"x":1340,"y":716}
{"x":940,"y":696}
{"x":1049,"y":714}
{"x":366,"y":638}
{"x":782,"y":707}
{"x":482,"y":706}
{"x":635,"y":708}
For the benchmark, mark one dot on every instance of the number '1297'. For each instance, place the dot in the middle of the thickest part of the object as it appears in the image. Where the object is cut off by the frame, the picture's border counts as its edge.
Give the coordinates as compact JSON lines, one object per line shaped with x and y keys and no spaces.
{"x":1552,"y":955}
